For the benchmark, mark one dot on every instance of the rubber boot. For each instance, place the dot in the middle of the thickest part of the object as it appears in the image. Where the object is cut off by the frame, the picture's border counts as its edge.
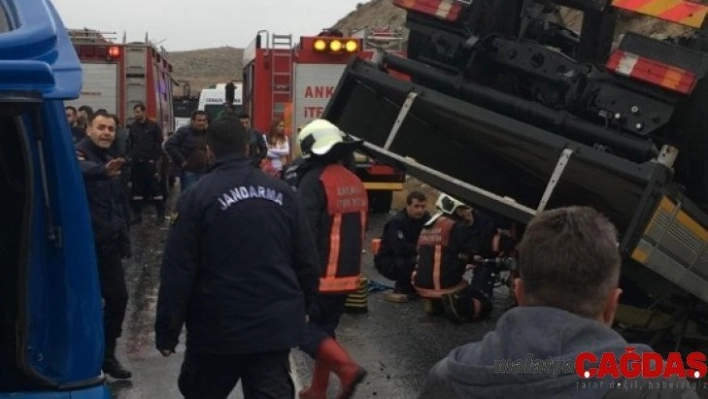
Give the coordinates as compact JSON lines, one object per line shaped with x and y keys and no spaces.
{"x":320,"y":382}
{"x":336,"y":358}
{"x":111,"y":365}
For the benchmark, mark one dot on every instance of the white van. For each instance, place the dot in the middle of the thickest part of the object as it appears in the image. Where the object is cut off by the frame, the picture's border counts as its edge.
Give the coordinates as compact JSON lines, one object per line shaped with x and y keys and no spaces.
{"x":212,"y":100}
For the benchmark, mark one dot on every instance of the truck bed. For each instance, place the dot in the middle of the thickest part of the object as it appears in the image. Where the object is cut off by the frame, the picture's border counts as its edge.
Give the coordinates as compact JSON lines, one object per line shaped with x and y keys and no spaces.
{"x":514,"y":169}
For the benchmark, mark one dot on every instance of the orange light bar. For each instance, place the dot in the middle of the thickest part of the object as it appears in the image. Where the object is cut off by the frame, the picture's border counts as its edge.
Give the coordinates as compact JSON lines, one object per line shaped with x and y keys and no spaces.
{"x":447,"y":10}
{"x":679,"y":11}
{"x":651,"y":71}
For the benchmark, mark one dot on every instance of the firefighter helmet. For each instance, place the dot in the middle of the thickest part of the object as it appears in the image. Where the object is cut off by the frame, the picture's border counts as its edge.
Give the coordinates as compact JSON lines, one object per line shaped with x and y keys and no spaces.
{"x":319,"y":137}
{"x":447,"y":204}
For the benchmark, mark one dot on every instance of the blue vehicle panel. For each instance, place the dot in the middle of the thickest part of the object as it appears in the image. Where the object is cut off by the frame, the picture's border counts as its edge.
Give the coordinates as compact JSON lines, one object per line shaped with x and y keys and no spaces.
{"x":59,"y":300}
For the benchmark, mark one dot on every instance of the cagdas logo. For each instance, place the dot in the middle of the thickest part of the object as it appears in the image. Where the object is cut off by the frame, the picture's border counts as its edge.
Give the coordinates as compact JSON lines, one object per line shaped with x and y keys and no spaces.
{"x":632,"y":365}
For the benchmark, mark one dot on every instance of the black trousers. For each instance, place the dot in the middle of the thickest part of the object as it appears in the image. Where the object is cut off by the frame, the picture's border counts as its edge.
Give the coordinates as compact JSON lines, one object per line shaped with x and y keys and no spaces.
{"x":262,"y":376}
{"x":398,"y":270}
{"x":113,"y":289}
{"x":146,"y":187}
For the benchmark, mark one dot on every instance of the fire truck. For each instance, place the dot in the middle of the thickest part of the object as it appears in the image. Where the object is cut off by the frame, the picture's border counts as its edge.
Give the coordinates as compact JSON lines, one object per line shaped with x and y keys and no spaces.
{"x":118,"y":76}
{"x":294,"y":83}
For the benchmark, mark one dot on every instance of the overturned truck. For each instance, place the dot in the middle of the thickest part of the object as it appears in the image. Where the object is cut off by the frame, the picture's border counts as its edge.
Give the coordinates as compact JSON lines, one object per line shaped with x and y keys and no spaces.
{"x":510,"y":110}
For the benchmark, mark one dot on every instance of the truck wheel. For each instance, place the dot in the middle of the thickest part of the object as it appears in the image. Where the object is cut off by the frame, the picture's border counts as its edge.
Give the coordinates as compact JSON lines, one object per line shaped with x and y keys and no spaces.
{"x":380,"y":201}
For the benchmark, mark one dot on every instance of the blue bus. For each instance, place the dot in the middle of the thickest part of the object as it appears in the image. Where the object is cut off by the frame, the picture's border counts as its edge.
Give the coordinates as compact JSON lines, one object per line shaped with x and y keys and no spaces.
{"x":51,"y":330}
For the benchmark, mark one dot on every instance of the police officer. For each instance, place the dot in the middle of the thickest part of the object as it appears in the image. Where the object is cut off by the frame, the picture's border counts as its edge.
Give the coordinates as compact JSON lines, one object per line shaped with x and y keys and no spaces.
{"x":240,"y":269}
{"x":108,"y":209}
{"x":146,"y":155}
{"x":454,"y":237}
{"x":397,"y":255}
{"x":335,"y":202}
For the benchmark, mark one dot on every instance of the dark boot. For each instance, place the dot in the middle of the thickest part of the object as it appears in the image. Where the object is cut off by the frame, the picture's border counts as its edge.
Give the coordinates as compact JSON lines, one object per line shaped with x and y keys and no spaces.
{"x":111,"y":365}
{"x":335,"y":357}
{"x":320,"y":382}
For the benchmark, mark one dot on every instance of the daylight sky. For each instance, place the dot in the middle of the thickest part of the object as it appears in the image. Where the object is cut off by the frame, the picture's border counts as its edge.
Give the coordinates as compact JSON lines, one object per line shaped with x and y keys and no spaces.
{"x":191,"y":24}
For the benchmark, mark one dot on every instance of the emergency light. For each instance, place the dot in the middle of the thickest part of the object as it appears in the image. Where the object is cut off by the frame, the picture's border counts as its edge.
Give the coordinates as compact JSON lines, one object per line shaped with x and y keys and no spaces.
{"x":336,"y":45}
{"x":114,"y":51}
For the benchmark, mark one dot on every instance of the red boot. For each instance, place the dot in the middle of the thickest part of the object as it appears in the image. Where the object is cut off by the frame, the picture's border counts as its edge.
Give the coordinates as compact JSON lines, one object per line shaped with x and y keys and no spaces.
{"x":320,"y":382}
{"x":336,"y":358}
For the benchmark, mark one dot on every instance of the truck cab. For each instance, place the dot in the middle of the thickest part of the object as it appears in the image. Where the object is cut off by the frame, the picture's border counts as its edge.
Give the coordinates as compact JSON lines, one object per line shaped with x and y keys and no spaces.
{"x":51,"y":325}
{"x":213,"y":98}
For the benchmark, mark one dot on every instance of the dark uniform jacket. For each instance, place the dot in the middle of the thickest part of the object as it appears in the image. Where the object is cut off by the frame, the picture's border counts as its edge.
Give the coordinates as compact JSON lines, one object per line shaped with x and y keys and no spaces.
{"x":106,"y":198}
{"x":257,"y":147}
{"x":399,"y":240}
{"x":240,"y":265}
{"x":145,"y":141}
{"x":188,"y":145}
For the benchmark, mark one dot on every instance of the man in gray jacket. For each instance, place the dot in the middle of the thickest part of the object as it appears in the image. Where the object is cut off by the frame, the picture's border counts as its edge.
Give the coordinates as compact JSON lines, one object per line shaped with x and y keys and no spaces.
{"x":568,"y":294}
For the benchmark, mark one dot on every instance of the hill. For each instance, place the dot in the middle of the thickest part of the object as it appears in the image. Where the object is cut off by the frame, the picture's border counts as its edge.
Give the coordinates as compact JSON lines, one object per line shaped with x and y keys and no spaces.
{"x":206,"y":66}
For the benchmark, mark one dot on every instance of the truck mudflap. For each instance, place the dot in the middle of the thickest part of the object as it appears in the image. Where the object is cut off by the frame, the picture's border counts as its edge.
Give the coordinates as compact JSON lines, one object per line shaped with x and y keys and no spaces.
{"x":514,"y":169}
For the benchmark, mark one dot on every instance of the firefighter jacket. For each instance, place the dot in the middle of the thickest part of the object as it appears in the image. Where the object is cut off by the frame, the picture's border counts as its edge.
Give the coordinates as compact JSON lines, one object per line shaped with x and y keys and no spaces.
{"x":145,"y":141}
{"x":188,"y":145}
{"x":240,"y":266}
{"x":444,"y":248}
{"x":106,"y":198}
{"x":336,"y":204}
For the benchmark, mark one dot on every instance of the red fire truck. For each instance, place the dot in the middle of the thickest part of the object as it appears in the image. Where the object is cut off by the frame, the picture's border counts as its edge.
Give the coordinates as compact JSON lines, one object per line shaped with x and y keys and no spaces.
{"x":117,"y":76}
{"x":295,"y":82}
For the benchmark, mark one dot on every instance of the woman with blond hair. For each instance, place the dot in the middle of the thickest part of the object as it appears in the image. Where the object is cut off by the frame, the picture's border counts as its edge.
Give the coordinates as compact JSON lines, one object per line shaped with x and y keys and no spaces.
{"x":278,"y":149}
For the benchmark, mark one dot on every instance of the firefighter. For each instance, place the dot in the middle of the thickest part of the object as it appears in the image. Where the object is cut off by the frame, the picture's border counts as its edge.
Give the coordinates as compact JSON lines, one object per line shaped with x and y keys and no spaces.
{"x":101,"y":177}
{"x":397,"y":256}
{"x":240,"y":268}
{"x":453,"y":238}
{"x":146,"y":155}
{"x":336,"y":204}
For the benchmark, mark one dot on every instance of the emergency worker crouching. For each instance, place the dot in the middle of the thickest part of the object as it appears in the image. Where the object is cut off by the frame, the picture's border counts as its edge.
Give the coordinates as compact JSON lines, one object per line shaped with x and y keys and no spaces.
{"x":336,"y":205}
{"x":453,"y":238}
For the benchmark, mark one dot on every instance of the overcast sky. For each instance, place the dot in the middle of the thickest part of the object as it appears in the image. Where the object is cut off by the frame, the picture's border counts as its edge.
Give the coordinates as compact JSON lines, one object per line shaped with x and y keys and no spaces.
{"x":192,"y":24}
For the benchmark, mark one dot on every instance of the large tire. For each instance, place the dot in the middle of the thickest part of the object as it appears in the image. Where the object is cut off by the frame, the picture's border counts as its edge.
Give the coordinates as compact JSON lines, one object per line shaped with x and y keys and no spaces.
{"x":380,"y":201}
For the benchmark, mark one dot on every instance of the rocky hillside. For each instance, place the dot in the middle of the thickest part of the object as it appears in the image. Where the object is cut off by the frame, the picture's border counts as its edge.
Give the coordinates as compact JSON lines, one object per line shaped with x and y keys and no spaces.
{"x":375,"y":13}
{"x":202,"y":68}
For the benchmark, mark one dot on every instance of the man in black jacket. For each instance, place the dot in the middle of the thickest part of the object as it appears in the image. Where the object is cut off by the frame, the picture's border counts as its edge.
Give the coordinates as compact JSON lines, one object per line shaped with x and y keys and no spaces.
{"x":257,"y":146}
{"x":396,"y":258}
{"x":187,"y":149}
{"x":240,"y":268}
{"x":145,"y":154}
{"x":107,"y":205}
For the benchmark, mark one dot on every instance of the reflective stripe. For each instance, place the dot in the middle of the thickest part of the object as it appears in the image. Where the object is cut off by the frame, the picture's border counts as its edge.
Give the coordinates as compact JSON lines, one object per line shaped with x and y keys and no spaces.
{"x":434,"y":294}
{"x":334,"y":237}
{"x":687,"y":13}
{"x":340,"y":284}
{"x":437,"y":263}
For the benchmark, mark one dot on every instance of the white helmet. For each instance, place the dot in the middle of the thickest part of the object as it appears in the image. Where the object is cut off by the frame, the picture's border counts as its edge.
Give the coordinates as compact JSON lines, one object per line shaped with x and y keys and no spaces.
{"x":318,"y":137}
{"x":446,"y":205}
